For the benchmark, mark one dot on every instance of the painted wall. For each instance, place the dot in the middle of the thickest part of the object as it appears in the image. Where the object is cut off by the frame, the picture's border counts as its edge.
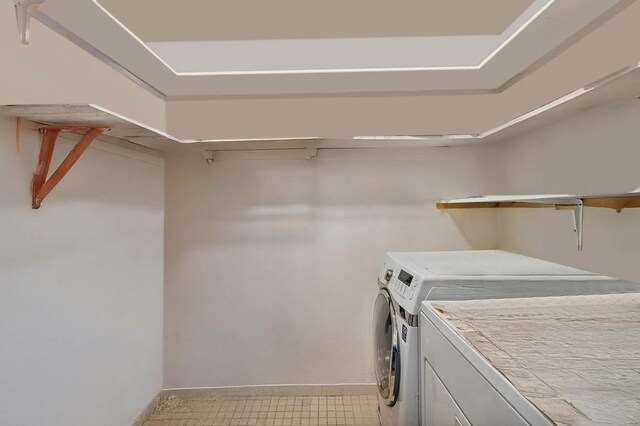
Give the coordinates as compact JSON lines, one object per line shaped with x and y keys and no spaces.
{"x":80,"y":286}
{"x":272,"y":259}
{"x":593,"y":152}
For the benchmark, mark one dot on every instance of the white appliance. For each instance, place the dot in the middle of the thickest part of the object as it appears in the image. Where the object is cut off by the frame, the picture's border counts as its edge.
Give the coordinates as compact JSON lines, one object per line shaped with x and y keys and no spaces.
{"x":407,"y":279}
{"x":532,"y":361}
{"x":460,"y":388}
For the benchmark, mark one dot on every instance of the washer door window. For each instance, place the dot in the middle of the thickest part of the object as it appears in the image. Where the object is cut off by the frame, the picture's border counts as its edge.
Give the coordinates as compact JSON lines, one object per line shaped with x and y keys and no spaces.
{"x":386,"y":348}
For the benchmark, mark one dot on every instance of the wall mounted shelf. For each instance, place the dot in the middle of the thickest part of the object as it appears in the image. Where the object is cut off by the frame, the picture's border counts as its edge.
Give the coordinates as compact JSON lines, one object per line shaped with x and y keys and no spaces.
{"x":87,"y":122}
{"x":118,"y":128}
{"x":576,"y":203}
{"x":617,"y":202}
{"x":511,"y":201}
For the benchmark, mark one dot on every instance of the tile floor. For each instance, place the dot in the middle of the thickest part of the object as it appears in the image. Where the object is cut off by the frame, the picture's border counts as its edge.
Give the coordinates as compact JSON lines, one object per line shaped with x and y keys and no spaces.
{"x":174,"y":410}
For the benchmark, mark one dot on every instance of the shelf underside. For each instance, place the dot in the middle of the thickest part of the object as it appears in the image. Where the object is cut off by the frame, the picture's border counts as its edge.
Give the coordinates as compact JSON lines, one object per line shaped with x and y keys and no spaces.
{"x":616,"y":202}
{"x":89,"y":116}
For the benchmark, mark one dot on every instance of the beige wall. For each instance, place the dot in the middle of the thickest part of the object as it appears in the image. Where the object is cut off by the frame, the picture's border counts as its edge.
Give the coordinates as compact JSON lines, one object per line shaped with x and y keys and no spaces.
{"x":81,"y":293}
{"x":271,"y":262}
{"x":594,"y":152}
{"x":52,"y":70}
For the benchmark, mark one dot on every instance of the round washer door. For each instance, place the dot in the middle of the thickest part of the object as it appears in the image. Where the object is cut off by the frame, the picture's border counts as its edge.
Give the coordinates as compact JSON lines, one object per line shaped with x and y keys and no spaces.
{"x":386,"y":348}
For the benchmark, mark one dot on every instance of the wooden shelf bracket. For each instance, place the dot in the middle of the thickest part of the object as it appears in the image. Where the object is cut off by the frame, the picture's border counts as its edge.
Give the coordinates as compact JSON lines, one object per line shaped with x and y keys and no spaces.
{"x":41,"y":186}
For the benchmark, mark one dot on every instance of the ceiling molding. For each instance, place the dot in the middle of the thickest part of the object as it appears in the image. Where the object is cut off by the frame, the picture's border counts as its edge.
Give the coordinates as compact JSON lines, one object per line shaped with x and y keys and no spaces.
{"x":618,"y":8}
{"x":610,"y":88}
{"x":532,"y":12}
{"x":242,"y":20}
{"x":53,"y":25}
{"x":119,"y":49}
{"x":81,"y":43}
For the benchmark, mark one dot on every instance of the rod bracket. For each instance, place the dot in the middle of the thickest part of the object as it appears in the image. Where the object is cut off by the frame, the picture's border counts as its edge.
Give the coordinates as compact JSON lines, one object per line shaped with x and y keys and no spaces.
{"x":24,"y":10}
{"x":578,"y":220}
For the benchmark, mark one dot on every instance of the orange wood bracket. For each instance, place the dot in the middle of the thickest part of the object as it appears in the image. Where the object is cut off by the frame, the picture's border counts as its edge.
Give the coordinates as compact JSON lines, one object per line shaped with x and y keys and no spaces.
{"x":18,"y":128}
{"x":41,"y":186}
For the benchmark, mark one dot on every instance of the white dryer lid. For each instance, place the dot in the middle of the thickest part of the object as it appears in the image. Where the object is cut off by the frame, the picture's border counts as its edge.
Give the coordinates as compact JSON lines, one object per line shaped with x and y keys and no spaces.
{"x":482,"y":263}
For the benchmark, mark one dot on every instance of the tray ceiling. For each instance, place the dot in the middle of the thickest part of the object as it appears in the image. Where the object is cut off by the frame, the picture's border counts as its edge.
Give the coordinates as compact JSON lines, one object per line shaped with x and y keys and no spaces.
{"x":202,"y":48}
{"x":616,"y":87}
{"x":224,"y":20}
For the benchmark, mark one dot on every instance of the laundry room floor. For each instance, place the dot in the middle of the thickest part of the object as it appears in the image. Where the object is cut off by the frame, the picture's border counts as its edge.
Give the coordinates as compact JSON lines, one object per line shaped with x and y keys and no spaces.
{"x":174,"y":410}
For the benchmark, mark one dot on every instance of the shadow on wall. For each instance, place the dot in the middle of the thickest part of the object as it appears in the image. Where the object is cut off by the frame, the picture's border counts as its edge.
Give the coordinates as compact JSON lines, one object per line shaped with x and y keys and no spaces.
{"x":372,"y":193}
{"x":474,"y":225}
{"x":304,"y":224}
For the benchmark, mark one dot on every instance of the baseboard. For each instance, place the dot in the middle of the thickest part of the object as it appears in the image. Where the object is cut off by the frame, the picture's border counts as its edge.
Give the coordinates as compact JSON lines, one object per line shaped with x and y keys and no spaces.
{"x":146,"y":411}
{"x":282,"y":390}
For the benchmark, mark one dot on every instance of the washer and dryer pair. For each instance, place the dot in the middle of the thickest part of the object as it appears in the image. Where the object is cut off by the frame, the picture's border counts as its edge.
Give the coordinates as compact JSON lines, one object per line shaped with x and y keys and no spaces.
{"x":405,"y":280}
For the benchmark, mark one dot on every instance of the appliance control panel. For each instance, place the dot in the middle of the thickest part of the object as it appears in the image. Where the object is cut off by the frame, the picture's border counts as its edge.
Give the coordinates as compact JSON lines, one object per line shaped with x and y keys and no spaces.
{"x":403,"y":285}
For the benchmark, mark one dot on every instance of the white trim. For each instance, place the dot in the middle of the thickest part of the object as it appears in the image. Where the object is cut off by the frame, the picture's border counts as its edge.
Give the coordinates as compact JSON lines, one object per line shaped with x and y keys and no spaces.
{"x":306,"y":138}
{"x":417,"y":138}
{"x":330,"y":71}
{"x":564,"y":199}
{"x":137,"y":123}
{"x":566,"y":98}
{"x":535,"y":112}
{"x":132,"y":34}
{"x":280,"y":390}
{"x":515,"y":34}
{"x":266,"y":386}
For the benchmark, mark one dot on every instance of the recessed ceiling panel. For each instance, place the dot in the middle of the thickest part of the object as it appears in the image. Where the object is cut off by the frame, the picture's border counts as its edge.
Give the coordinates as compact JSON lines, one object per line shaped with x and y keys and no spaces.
{"x":195,"y":48}
{"x":334,"y":55}
{"x":219,"y":20}
{"x":396,"y":51}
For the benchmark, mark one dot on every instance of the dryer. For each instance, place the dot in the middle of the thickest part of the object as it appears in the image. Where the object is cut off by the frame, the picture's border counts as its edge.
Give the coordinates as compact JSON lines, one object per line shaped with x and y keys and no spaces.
{"x":548,"y":361}
{"x":405,"y":280}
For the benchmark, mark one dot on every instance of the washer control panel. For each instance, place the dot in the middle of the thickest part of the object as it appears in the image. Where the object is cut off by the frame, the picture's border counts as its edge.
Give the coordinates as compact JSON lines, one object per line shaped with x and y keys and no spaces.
{"x":404,"y":284}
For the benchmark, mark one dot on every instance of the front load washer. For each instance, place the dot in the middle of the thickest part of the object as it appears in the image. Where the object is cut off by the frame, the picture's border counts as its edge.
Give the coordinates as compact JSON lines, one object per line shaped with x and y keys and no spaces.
{"x":405,"y":280}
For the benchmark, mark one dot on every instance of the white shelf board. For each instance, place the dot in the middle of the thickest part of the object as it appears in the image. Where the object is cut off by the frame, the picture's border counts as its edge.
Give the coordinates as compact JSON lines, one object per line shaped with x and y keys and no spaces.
{"x":576,"y":203}
{"x":539,"y":200}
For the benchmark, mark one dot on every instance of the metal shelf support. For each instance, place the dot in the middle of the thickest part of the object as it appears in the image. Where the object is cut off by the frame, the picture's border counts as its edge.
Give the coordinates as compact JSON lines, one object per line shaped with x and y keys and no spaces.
{"x":578,"y":221}
{"x":576,"y":203}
